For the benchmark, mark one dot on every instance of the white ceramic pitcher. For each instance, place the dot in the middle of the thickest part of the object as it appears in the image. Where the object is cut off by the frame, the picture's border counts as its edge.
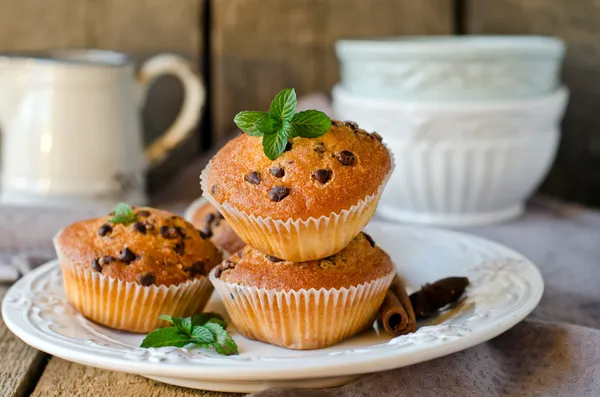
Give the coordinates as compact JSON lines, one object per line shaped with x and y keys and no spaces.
{"x":71,"y":130}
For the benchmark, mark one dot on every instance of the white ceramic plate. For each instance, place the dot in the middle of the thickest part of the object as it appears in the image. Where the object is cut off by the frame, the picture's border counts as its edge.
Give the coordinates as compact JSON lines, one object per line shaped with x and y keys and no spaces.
{"x":505,"y":288}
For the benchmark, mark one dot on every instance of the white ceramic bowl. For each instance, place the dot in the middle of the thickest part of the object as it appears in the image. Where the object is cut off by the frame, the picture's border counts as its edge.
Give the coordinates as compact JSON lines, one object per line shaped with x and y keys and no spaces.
{"x":460,"y":164}
{"x":451,"y":67}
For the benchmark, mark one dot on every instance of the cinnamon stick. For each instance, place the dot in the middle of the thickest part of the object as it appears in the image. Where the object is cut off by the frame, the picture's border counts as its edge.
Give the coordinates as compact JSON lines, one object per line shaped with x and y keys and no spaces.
{"x":396,"y":312}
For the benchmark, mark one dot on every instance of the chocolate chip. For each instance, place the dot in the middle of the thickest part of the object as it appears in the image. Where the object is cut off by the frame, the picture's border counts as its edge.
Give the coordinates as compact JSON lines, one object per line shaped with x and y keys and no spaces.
{"x":209,"y":217}
{"x":96,"y":265}
{"x":273,"y":258}
{"x":213,"y":189}
{"x":206,"y":232}
{"x":277,"y":172}
{"x":168,"y":232}
{"x":377,"y":136}
{"x":139,"y":227}
{"x":197,"y":268}
{"x":278,"y":193}
{"x":104,"y":230}
{"x":290,"y":162}
{"x":125,"y":255}
{"x":179,"y":248}
{"x":105,"y":260}
{"x":180,"y":231}
{"x":288,"y":146}
{"x":217,"y":223}
{"x":369,"y":239}
{"x":253,"y":178}
{"x":345,"y":157}
{"x":144,"y":213}
{"x":319,"y":148}
{"x":321,"y":175}
{"x":351,"y":124}
{"x":218,"y":272}
{"x":220,"y":216}
{"x":147,"y":279}
{"x":240,"y":253}
{"x":336,"y":123}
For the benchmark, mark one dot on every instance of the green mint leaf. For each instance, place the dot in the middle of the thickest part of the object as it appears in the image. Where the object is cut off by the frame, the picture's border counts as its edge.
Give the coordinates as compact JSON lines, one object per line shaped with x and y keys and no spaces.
{"x":224,"y":343}
{"x":203,"y":318}
{"x":184,"y":324}
{"x":123,"y":214}
{"x":202,"y":335}
{"x":283,"y":105}
{"x":170,"y":336}
{"x":246,"y":121}
{"x":274,"y":144}
{"x":310,"y":124}
{"x":268,"y":125}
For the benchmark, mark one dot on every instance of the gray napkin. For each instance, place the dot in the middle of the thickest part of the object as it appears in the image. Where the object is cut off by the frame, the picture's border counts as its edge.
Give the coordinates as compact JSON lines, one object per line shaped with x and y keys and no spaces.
{"x":554,"y":352}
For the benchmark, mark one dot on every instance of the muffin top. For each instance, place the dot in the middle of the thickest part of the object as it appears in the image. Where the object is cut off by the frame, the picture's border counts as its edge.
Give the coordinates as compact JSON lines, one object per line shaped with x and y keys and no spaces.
{"x":313,"y":177}
{"x":360,"y":262}
{"x":212,"y":224}
{"x":158,"y":248}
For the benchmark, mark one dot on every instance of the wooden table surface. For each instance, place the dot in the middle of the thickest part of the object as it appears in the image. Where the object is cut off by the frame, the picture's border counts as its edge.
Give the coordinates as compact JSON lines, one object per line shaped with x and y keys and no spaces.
{"x":25,"y":371}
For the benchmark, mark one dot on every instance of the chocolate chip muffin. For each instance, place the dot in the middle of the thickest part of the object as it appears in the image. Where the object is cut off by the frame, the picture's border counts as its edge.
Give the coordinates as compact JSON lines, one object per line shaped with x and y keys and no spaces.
{"x":304,"y":305}
{"x":309,"y":202}
{"x":125,"y":273}
{"x":213,"y":225}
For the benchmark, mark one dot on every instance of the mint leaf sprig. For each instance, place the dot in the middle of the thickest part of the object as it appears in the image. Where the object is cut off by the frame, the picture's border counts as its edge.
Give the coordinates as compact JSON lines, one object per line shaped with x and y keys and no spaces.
{"x":282,"y":123}
{"x":204,"y":330}
{"x":123,"y":214}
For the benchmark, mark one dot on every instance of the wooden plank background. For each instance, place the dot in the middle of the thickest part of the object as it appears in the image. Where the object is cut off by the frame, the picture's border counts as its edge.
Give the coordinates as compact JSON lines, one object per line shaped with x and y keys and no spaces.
{"x":262,"y":46}
{"x":575,"y":175}
{"x":257,"y":47}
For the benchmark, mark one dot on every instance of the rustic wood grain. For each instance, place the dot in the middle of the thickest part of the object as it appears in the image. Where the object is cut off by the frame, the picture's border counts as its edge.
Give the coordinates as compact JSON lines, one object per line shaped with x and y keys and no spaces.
{"x":41,"y":24}
{"x":575,"y":174}
{"x":63,"y":378}
{"x":262,"y":46}
{"x":20,"y":366}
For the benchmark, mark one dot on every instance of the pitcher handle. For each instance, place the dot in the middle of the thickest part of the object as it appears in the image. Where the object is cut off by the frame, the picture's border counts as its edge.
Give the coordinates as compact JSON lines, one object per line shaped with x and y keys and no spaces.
{"x":193,"y":100}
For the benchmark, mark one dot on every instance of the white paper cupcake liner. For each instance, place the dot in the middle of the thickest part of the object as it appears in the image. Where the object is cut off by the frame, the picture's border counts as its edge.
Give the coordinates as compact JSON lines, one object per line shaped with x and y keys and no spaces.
{"x":130,"y":306}
{"x":299,"y":240}
{"x":303,"y":319}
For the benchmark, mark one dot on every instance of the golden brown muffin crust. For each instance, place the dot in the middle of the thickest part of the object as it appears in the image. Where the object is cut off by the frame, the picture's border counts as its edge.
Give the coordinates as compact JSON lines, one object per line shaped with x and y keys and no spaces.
{"x":208,"y":220}
{"x":360,"y":262}
{"x":161,"y":248}
{"x":323,"y":175}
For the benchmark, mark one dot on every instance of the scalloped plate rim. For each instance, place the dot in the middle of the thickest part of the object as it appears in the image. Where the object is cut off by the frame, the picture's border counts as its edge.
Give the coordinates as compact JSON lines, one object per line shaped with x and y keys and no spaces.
{"x":317,"y":366}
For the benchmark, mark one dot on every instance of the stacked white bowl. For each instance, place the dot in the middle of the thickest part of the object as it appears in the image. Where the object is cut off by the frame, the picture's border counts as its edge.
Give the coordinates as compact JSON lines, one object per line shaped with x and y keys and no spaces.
{"x":473,"y":121}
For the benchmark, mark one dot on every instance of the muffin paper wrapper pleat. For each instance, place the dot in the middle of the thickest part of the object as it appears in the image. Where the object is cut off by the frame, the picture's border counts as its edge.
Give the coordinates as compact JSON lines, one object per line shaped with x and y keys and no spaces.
{"x":299,"y":240}
{"x":127,"y":305}
{"x":302,"y":319}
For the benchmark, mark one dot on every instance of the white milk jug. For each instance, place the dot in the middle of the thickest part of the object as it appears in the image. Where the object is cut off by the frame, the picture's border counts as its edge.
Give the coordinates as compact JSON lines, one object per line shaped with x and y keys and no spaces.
{"x":71,"y":128}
